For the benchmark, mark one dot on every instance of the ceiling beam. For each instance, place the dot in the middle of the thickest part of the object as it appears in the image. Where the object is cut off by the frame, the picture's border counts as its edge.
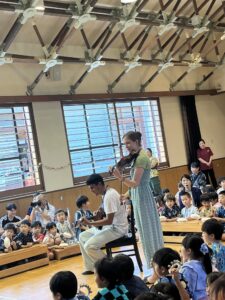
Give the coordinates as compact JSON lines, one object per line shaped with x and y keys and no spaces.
{"x":82,"y":98}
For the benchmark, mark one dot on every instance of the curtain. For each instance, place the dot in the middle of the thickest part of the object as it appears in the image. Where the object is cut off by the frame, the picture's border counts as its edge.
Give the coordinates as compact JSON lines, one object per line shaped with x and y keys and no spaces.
{"x":191,"y":126}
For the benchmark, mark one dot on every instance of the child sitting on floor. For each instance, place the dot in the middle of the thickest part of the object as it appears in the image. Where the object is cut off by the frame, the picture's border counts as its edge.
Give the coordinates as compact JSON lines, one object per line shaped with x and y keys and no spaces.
{"x":82,"y":203}
{"x":220,"y":212}
{"x":212,"y":232}
{"x":6,"y":241}
{"x":163,"y":261}
{"x":52,"y":238}
{"x":37,"y":234}
{"x":160,"y":203}
{"x":171,"y":210}
{"x":107,"y":279}
{"x":213,"y":196}
{"x":212,"y":277}
{"x":63,"y":286}
{"x":24,"y":238}
{"x":134,"y":284}
{"x":196,"y":256}
{"x":64,"y":227}
{"x":206,"y":210}
{"x":189,"y":211}
{"x":221,"y":183}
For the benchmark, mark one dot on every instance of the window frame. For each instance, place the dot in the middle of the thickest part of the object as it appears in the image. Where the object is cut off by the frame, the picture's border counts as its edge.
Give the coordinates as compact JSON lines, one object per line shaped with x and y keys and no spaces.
{"x":106,"y":175}
{"x":24,"y":191}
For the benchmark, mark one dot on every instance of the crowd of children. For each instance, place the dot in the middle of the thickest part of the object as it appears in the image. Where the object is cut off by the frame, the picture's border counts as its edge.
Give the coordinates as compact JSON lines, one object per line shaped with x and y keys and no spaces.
{"x":194,"y":200}
{"x":196,"y":273}
{"x":17,"y":233}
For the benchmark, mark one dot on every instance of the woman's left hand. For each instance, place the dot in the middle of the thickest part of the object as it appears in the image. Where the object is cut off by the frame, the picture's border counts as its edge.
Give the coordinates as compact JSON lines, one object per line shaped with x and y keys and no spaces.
{"x":117,"y":173}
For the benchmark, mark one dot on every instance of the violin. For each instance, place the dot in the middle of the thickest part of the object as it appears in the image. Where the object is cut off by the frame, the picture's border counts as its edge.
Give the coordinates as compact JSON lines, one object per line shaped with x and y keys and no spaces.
{"x":124,"y":162}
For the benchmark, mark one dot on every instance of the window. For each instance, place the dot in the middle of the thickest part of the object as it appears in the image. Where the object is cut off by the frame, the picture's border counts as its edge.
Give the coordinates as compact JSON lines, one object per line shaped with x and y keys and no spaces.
{"x":95,"y":132}
{"x":18,"y":158}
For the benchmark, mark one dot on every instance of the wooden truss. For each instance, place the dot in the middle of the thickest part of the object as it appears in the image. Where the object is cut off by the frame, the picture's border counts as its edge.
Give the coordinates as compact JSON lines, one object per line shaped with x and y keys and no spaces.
{"x":169,"y":25}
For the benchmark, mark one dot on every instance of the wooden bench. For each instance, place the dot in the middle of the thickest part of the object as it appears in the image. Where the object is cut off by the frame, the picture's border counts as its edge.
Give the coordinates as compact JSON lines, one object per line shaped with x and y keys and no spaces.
{"x":173,"y":246}
{"x":173,"y":239}
{"x":68,"y":251}
{"x":182,"y":227}
{"x":40,"y":252}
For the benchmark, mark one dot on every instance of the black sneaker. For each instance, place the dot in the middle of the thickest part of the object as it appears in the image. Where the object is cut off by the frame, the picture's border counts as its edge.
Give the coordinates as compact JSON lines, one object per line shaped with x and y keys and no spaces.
{"x":88,"y":273}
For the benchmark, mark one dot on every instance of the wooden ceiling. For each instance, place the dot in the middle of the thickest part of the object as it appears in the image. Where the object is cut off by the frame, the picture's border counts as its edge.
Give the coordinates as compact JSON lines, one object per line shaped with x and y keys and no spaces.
{"x":166,"y":34}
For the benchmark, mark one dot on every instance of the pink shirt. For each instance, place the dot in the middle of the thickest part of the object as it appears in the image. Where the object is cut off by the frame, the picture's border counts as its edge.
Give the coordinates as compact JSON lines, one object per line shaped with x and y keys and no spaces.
{"x":204,"y":154}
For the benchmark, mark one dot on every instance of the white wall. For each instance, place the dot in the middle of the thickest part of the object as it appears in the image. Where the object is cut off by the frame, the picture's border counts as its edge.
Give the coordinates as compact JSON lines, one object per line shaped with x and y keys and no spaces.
{"x":173,"y":127}
{"x":53,"y":145}
{"x":211,"y":115}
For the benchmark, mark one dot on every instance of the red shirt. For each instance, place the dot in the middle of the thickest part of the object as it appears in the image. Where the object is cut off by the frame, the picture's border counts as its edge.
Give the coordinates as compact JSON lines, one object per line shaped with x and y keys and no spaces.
{"x":204,"y":154}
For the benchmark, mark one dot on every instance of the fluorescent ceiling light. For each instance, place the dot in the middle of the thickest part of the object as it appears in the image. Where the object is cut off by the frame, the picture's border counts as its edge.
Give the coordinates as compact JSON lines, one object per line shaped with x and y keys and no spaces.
{"x":128,"y":1}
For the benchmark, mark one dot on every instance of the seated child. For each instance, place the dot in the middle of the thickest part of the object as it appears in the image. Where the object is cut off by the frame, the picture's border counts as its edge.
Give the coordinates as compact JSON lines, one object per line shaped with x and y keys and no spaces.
{"x":212,"y":232}
{"x":211,"y":278}
{"x":107,"y":279}
{"x":10,"y":216}
{"x":171,"y":210}
{"x":221,"y":183}
{"x":52,"y":238}
{"x":134,"y":284}
{"x":82,"y":203}
{"x":64,"y":227}
{"x":217,"y":291}
{"x":63,"y":286}
{"x":189,"y":209}
{"x":37,"y":234}
{"x":180,"y":189}
{"x":168,"y":291}
{"x":24,"y":238}
{"x":6,"y":241}
{"x":165,"y":191}
{"x":214,"y":200}
{"x":162,"y":262}
{"x":198,"y":178}
{"x":220,"y":212}
{"x":206,"y":210}
{"x":160,"y":203}
{"x":196,"y":257}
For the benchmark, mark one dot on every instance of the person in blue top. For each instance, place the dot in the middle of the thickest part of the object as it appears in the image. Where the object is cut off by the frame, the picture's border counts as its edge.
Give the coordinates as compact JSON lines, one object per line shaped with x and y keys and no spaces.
{"x":212,"y":232}
{"x":193,"y":191}
{"x":197,"y":264}
{"x":165,"y":260}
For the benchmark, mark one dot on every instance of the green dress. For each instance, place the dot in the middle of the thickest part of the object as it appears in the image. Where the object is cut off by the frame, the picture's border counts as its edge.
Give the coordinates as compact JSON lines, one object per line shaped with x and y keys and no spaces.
{"x":145,"y":210}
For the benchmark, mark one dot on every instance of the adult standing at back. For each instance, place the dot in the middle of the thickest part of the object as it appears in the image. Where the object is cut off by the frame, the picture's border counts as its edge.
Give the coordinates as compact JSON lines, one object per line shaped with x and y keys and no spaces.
{"x":154,"y":173}
{"x":205,"y":156}
{"x":145,"y":210}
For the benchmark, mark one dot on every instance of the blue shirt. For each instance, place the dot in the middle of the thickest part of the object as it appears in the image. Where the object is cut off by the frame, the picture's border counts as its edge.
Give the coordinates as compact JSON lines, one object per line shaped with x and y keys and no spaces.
{"x":195,"y":276}
{"x":219,"y":256}
{"x":220,"y":212}
{"x":187,"y":212}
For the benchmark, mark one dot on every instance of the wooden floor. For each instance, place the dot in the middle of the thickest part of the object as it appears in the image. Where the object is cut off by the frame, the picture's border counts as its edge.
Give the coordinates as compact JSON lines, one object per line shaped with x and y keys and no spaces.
{"x":36,"y":282}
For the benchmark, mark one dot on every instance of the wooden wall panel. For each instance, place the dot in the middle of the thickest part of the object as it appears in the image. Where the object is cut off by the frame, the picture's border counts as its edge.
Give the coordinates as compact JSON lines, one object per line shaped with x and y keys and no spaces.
{"x":66,"y":198}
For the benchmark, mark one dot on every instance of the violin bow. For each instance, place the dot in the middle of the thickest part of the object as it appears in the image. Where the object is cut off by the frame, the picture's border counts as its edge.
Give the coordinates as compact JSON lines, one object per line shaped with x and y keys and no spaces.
{"x":119,"y":138}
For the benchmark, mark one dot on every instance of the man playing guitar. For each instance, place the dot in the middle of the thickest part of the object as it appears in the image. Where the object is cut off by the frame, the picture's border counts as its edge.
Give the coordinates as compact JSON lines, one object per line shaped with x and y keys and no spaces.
{"x":114,"y":223}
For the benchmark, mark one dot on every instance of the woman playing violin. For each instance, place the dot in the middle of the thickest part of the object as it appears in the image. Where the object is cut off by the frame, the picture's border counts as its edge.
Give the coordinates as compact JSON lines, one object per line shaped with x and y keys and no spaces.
{"x":145,"y":211}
